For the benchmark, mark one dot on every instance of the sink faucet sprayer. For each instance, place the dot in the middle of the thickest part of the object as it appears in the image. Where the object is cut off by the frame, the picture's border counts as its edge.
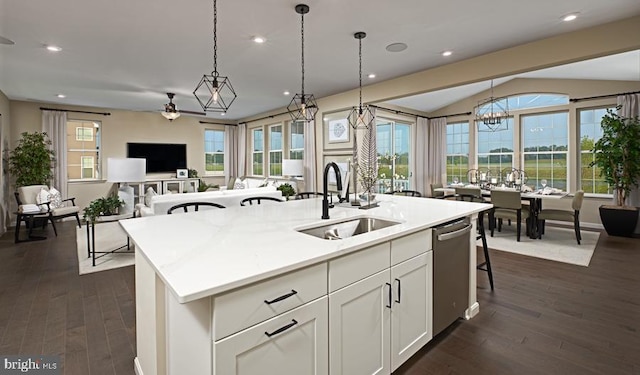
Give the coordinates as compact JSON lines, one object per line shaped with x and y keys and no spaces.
{"x":325,"y":201}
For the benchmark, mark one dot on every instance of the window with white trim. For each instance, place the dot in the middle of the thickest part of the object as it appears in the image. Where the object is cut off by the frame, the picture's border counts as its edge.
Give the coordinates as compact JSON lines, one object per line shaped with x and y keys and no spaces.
{"x":83,"y":149}
{"x":545,"y":139}
{"x":495,"y":149}
{"x":457,"y":151}
{"x":84,"y":134}
{"x":296,"y":140}
{"x":590,"y":132}
{"x":275,"y":150}
{"x":257,"y":153}
{"x":214,"y":152}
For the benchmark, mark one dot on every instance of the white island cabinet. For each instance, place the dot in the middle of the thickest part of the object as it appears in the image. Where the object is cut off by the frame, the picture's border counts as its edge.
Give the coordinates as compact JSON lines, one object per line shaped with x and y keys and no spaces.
{"x":242,"y":291}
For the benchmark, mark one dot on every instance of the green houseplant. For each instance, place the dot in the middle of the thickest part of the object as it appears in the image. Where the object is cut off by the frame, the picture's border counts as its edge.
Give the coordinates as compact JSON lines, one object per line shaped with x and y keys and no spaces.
{"x":617,"y":157}
{"x":31,"y":162}
{"x":287,"y":190}
{"x":104,"y":206}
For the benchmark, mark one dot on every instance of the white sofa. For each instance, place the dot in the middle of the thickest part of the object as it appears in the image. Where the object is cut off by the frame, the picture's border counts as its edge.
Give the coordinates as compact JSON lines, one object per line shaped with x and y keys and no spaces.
{"x":159,"y":204}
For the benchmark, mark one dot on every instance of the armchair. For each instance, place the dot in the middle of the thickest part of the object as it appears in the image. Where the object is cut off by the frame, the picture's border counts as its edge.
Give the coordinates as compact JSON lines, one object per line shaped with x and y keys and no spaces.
{"x":28,"y":194}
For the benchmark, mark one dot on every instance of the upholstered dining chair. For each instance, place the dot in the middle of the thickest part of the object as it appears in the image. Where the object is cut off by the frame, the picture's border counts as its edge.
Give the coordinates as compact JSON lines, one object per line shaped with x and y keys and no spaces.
{"x":28,"y":195}
{"x":258,"y":200}
{"x":468,"y":191}
{"x":508,"y":205}
{"x":563,"y":215}
{"x":308,"y":194}
{"x":194,"y":205}
{"x":436,"y":194}
{"x":406,"y":193}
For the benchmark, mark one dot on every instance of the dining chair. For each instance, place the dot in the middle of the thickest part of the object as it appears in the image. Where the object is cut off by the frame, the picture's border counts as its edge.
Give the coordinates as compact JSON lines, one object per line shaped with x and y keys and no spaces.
{"x":436,"y":194}
{"x":258,"y":200}
{"x":195,"y":205}
{"x":406,"y":193}
{"x":308,"y":194}
{"x":508,"y":205}
{"x":563,"y":215}
{"x":468,"y":191}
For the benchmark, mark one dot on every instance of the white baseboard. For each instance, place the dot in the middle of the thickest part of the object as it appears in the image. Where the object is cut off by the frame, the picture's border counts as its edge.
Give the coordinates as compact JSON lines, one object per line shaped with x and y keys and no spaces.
{"x":136,"y":366}
{"x":472,"y":311}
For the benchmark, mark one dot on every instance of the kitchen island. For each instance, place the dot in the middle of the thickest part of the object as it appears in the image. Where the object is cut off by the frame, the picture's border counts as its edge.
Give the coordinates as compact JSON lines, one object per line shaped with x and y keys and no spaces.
{"x":242,"y":290}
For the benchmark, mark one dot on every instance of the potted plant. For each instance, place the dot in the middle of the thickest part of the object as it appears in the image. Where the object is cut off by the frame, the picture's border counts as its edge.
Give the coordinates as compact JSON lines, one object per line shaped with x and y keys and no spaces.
{"x":617,"y":156}
{"x":31,"y":162}
{"x":287,"y":190}
{"x":102,"y":207}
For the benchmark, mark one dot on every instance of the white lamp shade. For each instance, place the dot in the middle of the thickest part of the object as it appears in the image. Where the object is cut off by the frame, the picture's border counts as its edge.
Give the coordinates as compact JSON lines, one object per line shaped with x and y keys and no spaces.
{"x":291,"y":167}
{"x":126,"y":170}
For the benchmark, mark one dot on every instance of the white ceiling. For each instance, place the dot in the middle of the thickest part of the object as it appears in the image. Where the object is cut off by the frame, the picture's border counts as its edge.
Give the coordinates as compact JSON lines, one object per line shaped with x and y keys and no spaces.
{"x":127,"y":54}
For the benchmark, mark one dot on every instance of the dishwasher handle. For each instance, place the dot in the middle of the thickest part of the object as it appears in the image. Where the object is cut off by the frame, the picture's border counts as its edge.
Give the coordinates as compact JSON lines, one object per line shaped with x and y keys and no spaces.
{"x":454,"y":234}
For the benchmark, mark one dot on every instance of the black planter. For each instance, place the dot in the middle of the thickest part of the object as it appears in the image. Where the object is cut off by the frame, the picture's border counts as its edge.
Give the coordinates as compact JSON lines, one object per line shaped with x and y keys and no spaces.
{"x":618,"y":221}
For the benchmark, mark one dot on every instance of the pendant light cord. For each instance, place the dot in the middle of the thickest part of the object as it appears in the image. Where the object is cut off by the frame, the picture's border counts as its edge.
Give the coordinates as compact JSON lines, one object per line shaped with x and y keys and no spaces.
{"x":360,"y":70}
{"x":215,"y":38}
{"x":302,"y":34}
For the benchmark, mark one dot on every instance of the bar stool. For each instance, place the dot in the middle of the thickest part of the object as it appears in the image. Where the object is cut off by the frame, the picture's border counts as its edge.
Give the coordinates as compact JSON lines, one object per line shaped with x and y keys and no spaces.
{"x":486,"y":265}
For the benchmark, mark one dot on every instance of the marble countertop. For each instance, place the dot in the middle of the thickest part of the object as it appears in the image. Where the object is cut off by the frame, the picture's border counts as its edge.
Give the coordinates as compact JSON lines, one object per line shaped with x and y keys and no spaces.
{"x":205,"y":253}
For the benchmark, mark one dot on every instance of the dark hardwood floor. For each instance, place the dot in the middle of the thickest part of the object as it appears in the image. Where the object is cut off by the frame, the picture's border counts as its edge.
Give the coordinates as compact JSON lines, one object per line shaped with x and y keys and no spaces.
{"x":543,"y":318}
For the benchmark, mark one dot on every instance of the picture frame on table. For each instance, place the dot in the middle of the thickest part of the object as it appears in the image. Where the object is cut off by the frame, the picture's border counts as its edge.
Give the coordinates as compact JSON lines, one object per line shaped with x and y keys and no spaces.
{"x":182,"y":173}
{"x":337,"y":132}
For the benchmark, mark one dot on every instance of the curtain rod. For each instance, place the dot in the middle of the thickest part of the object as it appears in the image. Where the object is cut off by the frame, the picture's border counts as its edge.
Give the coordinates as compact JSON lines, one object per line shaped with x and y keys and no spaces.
{"x":216,"y":123}
{"x":69,"y":110}
{"x":603,"y":96}
{"x":417,"y":115}
{"x":263,"y":118}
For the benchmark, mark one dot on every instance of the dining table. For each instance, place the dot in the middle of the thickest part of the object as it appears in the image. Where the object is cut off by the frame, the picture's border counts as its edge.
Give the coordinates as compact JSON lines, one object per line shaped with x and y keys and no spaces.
{"x":534,"y":197}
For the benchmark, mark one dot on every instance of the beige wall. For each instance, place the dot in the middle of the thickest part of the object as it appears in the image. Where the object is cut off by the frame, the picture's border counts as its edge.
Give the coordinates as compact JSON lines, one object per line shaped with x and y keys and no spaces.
{"x":5,"y":130}
{"x":118,"y":129}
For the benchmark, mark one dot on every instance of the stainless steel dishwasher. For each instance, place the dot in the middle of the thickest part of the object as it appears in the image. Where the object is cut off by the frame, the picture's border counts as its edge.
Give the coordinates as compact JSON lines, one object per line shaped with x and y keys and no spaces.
{"x":450,"y":272}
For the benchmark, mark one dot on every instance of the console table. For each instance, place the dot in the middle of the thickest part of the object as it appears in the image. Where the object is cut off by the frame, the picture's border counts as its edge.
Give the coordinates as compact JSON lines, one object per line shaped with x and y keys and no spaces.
{"x":163,"y":186}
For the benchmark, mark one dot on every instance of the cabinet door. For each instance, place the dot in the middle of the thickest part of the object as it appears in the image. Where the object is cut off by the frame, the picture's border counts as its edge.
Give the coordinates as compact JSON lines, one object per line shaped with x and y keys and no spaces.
{"x":359,"y":327}
{"x":293,"y":343}
{"x":412,"y":306}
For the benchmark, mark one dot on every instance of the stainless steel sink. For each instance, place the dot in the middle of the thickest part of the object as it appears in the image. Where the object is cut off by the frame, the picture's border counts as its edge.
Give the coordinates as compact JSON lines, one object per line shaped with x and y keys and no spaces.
{"x":347,"y":228}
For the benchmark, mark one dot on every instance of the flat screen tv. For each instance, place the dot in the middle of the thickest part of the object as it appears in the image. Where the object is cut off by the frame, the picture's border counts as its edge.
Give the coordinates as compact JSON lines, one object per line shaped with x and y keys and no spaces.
{"x":161,"y":157}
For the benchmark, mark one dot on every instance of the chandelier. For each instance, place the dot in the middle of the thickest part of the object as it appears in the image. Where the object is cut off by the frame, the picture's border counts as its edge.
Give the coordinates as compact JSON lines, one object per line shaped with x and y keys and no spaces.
{"x":303,"y":107}
{"x":360,"y":117}
{"x":492,"y":112}
{"x":214,"y":91}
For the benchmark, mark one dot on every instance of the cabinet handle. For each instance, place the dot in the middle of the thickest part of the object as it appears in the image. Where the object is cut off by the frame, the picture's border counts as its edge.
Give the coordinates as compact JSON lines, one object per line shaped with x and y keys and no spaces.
{"x":283,"y":297}
{"x":390,"y":297}
{"x":399,"y":290}
{"x":282,"y":329}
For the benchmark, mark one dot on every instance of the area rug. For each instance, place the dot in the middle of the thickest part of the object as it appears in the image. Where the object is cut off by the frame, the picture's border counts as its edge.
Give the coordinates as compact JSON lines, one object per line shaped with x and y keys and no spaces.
{"x":557,"y":244}
{"x":109,"y":236}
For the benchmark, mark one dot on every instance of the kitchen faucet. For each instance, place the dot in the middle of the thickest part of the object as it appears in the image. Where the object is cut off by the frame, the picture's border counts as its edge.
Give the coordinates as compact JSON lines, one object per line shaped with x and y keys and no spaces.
{"x":325,"y":177}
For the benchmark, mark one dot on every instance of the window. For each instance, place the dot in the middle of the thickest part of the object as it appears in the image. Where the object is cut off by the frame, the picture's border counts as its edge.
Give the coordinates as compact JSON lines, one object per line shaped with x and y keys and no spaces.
{"x":258,"y":152}
{"x":495,"y":149}
{"x":214,"y":152}
{"x":393,"y":141}
{"x":275,"y":150}
{"x":84,"y":134}
{"x":296,"y":142}
{"x":457,"y":151}
{"x":83,"y":149}
{"x":590,"y":133}
{"x":545,"y":142}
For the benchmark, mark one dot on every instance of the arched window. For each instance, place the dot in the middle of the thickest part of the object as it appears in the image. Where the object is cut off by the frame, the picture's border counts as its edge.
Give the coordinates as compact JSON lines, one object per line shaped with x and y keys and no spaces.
{"x":526,"y":101}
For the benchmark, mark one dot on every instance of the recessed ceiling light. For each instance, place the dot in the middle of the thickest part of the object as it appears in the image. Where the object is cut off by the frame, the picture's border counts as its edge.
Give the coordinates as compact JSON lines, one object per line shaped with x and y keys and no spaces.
{"x":372,"y":76}
{"x":54,"y":48}
{"x":259,"y":39}
{"x":61,"y":96}
{"x":286,"y":93}
{"x":447,"y":53}
{"x":570,"y":17}
{"x":396,"y":47}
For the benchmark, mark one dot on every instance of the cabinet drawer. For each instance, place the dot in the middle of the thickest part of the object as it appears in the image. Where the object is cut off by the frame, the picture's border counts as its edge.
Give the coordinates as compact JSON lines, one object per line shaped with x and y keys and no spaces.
{"x":409,"y":246}
{"x":244,"y":307}
{"x":353,"y":267}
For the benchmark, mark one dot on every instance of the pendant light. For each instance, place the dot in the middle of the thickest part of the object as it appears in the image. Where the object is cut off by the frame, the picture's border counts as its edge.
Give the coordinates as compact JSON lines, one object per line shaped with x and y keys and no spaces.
{"x":491,"y":112}
{"x":214,"y":91}
{"x":360,"y":117}
{"x":303,"y":107}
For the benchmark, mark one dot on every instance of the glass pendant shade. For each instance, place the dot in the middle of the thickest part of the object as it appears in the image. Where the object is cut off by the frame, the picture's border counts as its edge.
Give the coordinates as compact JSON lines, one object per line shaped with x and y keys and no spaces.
{"x":170,"y":115}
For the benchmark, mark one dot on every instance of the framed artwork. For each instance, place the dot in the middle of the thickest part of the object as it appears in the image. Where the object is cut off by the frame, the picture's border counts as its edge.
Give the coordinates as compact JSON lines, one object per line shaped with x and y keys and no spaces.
{"x":342,"y":160}
{"x":337,"y":132}
{"x":182,"y":173}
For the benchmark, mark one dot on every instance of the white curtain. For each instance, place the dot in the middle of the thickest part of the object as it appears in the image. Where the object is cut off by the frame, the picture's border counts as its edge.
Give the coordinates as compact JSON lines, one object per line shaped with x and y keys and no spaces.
{"x":630,"y":107}
{"x":422,"y":149}
{"x":309,"y":158}
{"x":436,"y":150}
{"x":54,"y":123}
{"x":231,"y":147}
{"x":241,"y":150}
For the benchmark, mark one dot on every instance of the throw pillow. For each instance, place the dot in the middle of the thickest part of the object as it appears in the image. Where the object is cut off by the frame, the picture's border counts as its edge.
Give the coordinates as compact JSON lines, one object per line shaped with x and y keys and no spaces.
{"x":42,"y":197}
{"x":238,"y":184}
{"x":52,"y":196}
{"x":148,"y":195}
{"x":55,"y":198}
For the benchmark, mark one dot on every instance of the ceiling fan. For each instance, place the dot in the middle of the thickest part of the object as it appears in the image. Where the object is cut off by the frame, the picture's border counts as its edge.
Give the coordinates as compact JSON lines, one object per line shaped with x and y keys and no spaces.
{"x":170,"y":111}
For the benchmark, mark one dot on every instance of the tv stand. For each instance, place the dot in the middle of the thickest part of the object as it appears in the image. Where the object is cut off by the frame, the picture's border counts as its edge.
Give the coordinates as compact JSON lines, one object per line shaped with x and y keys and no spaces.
{"x":166,"y":185}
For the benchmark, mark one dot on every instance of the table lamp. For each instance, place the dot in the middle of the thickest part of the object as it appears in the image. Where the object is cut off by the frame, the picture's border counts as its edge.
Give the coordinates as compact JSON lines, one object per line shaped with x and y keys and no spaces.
{"x":292,"y":168}
{"x":123,"y":171}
